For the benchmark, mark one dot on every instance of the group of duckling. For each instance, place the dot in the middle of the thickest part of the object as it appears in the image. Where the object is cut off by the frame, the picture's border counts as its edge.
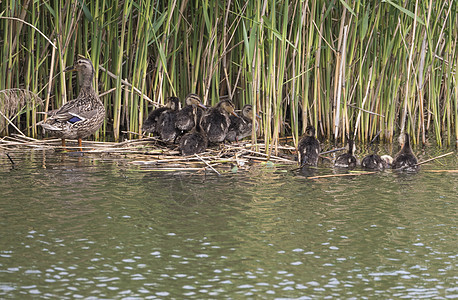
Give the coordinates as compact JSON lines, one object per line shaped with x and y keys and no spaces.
{"x":195,"y":126}
{"x":309,"y":151}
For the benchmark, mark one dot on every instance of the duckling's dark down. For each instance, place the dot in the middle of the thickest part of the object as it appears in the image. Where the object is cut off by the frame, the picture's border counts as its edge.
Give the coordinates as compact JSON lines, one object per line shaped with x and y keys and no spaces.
{"x":167,"y":119}
{"x":347,"y":160}
{"x":215,"y":121}
{"x":150,"y":124}
{"x":195,"y":141}
{"x":373,"y":162}
{"x":308,"y":148}
{"x":185,"y":117}
{"x":241,"y":127}
{"x":405,"y":159}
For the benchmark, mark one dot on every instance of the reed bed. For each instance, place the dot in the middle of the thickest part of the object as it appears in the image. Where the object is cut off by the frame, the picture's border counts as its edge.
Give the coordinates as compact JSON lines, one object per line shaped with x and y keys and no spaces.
{"x":151,"y":154}
{"x":362,"y":69}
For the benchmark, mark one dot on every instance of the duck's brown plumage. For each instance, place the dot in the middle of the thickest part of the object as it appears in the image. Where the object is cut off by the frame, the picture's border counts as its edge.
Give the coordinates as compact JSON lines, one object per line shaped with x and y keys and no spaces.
{"x":347,"y":160}
{"x":166,"y":121}
{"x":242,"y":126}
{"x":82,"y":116}
{"x":215,"y":121}
{"x":405,"y":159}
{"x":195,"y":141}
{"x":185,"y":120}
{"x":308,"y":148}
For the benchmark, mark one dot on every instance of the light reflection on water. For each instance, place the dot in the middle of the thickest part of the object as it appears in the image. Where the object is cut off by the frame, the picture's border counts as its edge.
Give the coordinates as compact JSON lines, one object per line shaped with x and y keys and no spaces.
{"x":93,"y":227}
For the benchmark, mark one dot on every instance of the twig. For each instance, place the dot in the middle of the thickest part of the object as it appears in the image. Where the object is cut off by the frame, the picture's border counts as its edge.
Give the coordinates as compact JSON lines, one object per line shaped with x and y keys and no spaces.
{"x":12,"y":124}
{"x":333,"y":150}
{"x":341,"y":175}
{"x":207,"y":164}
{"x":426,"y":161}
{"x":17,"y":19}
{"x":434,"y":158}
{"x":11,"y":160}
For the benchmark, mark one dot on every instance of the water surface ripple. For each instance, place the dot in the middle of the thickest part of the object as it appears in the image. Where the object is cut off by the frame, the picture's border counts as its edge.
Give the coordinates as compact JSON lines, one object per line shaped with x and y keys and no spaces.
{"x":100,"y":227}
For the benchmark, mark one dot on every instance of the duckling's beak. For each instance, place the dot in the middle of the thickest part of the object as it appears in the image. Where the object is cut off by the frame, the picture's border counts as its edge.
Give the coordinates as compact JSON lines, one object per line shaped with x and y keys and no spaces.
{"x":258,"y":117}
{"x":202,"y":106}
{"x":235,"y":114}
{"x":69,"y":69}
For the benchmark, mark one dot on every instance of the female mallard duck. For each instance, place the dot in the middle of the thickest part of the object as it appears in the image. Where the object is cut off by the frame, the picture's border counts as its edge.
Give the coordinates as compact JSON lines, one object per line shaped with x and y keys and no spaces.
{"x":347,"y":160}
{"x":241,"y":127}
{"x":405,"y":159}
{"x":166,"y":121}
{"x":215,"y":121}
{"x":195,"y":141}
{"x":79,"y":117}
{"x":308,"y":148}
{"x":185,"y":117}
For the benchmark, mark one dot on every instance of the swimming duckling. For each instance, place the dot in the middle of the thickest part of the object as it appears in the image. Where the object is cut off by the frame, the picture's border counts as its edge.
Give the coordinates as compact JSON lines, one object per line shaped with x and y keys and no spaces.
{"x":166,"y":121}
{"x":215,"y":121}
{"x":185,"y":117}
{"x":374,"y":162}
{"x":347,"y":160}
{"x":241,"y":127}
{"x":308,"y":148}
{"x":405,"y":159}
{"x":150,"y":124}
{"x":195,"y":141}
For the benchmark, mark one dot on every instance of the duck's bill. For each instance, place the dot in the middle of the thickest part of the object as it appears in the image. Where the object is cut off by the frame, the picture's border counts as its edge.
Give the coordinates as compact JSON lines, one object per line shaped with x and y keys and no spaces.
{"x":69,"y":69}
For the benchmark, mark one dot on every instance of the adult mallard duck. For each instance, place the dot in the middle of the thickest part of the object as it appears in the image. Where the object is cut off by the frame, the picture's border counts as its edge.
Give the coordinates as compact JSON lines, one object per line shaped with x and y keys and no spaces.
{"x":347,"y":160}
{"x":241,"y":127}
{"x":405,"y":159}
{"x":185,"y":117}
{"x":308,"y":148}
{"x":79,"y":117}
{"x":215,"y":121}
{"x":195,"y":141}
{"x":166,"y":121}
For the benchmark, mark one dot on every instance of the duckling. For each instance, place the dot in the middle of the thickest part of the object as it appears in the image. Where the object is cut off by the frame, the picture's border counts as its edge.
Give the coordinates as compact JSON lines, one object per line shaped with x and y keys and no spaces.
{"x":373,"y":161}
{"x":347,"y":160}
{"x":308,"y":148}
{"x":405,"y":159}
{"x":185,"y":117}
{"x":195,"y":141}
{"x":79,"y":117}
{"x":150,"y":124}
{"x":215,"y":121}
{"x":166,"y":121}
{"x":241,"y":127}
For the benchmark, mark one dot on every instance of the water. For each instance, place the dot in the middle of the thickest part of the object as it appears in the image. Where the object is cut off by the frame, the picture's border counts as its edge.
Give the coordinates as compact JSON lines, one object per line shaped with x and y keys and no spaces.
{"x":100,"y":227}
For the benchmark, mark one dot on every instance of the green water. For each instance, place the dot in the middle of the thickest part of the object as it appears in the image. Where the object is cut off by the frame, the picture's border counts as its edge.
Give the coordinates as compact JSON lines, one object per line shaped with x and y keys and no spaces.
{"x":100,"y":227}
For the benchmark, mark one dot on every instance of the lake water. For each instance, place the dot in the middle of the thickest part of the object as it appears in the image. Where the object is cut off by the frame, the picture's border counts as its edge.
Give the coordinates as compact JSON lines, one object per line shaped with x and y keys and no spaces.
{"x":100,"y":227}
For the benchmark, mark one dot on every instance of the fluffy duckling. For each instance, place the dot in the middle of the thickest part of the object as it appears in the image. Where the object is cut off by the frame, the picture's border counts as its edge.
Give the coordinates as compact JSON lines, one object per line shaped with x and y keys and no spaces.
{"x":308,"y":148}
{"x":185,"y":117}
{"x":215,"y":121}
{"x":150,"y":124}
{"x":347,"y":160}
{"x":166,"y":121}
{"x":405,"y":159}
{"x":373,"y":162}
{"x":195,"y":141}
{"x":241,"y":127}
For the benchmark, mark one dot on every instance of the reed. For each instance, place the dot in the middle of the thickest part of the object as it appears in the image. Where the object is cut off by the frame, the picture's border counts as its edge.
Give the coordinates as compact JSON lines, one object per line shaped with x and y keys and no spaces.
{"x":350,"y":68}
